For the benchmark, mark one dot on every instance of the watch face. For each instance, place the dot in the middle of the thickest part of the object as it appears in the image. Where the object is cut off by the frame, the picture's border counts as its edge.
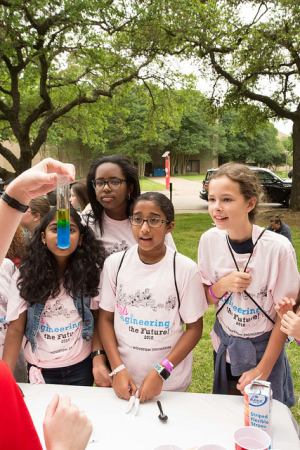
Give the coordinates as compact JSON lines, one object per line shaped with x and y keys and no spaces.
{"x":165,"y":374}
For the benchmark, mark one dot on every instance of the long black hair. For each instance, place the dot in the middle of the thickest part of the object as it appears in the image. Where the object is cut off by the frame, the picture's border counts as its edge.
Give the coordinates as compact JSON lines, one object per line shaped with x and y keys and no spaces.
{"x":39,"y":274}
{"x":129,"y":172}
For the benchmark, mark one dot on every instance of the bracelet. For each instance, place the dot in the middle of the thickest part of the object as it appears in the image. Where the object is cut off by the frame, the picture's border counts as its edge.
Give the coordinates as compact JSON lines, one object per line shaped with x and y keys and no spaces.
{"x":13,"y":203}
{"x":212,"y":294}
{"x":97,"y":352}
{"x":168,"y":365}
{"x":298,"y":342}
{"x":118,"y":369}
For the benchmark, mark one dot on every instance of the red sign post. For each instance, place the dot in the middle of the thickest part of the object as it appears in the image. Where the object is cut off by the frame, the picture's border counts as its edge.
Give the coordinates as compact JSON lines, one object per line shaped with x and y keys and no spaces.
{"x":167,"y":171}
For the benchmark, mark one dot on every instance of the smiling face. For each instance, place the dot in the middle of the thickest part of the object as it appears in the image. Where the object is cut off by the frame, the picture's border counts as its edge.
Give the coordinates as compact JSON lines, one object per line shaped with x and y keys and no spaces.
{"x":229,"y":208}
{"x":151,"y":241}
{"x":113,"y":201}
{"x":49,"y":238}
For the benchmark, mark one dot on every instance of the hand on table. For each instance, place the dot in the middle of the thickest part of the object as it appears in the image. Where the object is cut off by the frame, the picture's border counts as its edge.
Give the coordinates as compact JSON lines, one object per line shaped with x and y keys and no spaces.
{"x":284,"y":305}
{"x":65,"y":427}
{"x":123,"y":384}
{"x":151,"y":386}
{"x":290,"y":324}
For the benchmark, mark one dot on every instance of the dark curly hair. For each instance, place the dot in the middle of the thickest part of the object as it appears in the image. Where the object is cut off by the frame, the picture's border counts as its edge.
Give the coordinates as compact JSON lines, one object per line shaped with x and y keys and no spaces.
{"x":39,"y":274}
{"x":129,"y":172}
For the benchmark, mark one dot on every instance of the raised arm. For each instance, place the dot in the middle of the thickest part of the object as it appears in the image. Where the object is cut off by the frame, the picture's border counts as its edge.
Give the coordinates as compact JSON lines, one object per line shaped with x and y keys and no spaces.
{"x":36,"y":181}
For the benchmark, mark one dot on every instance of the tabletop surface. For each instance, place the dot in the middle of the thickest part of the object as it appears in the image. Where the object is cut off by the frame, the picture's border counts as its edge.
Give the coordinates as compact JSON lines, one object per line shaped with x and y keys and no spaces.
{"x":193,"y":419}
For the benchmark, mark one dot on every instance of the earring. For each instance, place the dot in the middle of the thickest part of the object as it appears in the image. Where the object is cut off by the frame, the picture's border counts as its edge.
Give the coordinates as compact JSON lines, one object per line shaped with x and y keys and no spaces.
{"x":128,"y":196}
{"x":44,"y":242}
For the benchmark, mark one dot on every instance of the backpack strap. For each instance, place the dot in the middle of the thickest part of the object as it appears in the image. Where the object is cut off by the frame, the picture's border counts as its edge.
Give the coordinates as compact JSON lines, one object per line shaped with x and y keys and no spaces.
{"x":174,"y":271}
{"x":121,"y":262}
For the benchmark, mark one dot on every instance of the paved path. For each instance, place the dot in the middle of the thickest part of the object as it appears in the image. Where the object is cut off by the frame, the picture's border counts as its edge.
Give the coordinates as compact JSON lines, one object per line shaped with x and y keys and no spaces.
{"x":185,"y":195}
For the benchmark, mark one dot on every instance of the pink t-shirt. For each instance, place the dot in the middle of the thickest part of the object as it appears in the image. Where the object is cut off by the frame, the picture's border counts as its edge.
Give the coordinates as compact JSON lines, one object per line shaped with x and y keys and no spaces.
{"x":6,"y":271}
{"x":147,"y":320}
{"x":59,"y":339}
{"x":274,"y":274}
{"x":117,"y":234}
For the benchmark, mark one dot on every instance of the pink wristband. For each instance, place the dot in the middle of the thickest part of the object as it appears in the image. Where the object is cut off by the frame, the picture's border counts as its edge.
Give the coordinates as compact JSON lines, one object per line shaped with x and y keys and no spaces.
{"x":212,"y":294}
{"x":298,"y":342}
{"x":168,"y":365}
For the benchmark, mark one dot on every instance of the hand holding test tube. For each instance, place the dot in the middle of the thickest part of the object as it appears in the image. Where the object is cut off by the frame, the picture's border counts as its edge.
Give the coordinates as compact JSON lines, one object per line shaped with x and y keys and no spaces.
{"x":63,"y":211}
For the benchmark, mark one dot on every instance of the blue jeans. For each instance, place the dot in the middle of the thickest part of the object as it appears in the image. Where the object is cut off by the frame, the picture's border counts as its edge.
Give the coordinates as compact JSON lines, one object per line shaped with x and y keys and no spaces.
{"x":79,"y":374}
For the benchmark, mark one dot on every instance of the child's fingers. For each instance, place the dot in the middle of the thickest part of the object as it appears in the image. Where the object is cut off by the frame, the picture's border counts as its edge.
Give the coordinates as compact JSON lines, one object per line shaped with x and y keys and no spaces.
{"x":133,"y":387}
{"x":283,"y":329}
{"x":51,"y":408}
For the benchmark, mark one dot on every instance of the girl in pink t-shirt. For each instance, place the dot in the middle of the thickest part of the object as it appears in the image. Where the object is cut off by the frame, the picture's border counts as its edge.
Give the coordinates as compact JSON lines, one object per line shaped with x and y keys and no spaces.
{"x":113,"y":186}
{"x":50,"y":301}
{"x":246,"y":271}
{"x":148,"y":293}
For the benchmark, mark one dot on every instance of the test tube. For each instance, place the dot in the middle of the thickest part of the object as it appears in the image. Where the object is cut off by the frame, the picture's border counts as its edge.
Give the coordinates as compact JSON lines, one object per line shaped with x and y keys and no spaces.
{"x":63,"y":211}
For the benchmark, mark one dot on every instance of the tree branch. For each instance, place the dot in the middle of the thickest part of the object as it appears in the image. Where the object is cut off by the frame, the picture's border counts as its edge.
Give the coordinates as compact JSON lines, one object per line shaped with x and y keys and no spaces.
{"x":11,"y":158}
{"x":243,"y":91}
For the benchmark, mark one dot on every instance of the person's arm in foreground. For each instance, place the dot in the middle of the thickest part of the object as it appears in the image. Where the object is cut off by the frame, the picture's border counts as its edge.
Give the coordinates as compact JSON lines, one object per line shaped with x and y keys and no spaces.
{"x":265,"y":366}
{"x":36,"y":181}
{"x":100,"y":369}
{"x":65,"y":427}
{"x":152,"y":383}
{"x":122,"y":381}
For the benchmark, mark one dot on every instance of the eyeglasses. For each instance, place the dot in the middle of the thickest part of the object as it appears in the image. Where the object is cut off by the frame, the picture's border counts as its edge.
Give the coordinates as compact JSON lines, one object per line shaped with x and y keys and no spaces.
{"x":113,"y":183}
{"x":152,"y":222}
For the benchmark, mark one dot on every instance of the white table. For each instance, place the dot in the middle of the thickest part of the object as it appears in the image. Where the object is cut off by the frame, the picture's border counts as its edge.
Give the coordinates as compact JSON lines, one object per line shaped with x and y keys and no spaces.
{"x":194,"y":419}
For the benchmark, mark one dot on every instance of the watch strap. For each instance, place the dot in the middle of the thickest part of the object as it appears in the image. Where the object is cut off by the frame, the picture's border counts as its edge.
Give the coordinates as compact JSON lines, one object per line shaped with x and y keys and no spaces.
{"x":168,"y":365}
{"x":159,"y":369}
{"x":97,"y":352}
{"x":13,"y":203}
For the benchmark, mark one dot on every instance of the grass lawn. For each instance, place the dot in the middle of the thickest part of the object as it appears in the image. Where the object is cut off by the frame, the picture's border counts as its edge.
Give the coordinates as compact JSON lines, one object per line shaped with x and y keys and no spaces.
{"x":186,"y":233}
{"x":148,"y":185}
{"x":282,"y":173}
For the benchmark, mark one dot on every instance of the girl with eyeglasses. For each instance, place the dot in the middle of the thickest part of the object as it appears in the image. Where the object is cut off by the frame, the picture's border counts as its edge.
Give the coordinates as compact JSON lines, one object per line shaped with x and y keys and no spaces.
{"x":148,"y":293}
{"x":112,"y":186}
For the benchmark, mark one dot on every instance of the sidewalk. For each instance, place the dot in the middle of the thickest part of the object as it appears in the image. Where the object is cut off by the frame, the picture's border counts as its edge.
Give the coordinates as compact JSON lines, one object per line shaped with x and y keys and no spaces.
{"x":185,"y":195}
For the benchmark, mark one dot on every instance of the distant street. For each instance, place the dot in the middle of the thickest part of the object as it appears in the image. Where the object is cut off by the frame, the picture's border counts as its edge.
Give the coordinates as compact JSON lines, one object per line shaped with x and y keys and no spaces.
{"x":185,"y":196}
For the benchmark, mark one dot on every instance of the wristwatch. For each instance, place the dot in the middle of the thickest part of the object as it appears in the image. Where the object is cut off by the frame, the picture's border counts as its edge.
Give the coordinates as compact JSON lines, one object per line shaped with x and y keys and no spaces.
{"x":97,"y":352}
{"x":162,"y":372}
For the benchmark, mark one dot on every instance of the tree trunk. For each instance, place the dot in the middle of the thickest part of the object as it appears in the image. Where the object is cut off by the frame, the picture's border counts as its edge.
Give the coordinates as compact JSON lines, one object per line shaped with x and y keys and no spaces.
{"x":25,"y":159}
{"x":295,"y":194}
{"x":141,"y":168}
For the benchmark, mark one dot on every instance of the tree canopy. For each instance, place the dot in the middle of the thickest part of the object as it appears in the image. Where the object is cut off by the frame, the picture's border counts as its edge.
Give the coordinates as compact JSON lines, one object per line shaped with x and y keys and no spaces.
{"x":61,"y":55}
{"x":261,"y":148}
{"x":250,"y":52}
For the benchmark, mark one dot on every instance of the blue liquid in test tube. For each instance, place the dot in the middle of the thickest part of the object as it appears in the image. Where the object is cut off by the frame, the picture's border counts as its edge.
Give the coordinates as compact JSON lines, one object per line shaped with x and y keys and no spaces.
{"x":63,"y":212}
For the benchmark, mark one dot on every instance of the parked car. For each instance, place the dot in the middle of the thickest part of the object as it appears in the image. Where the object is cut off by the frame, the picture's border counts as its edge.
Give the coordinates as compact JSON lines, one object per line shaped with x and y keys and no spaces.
{"x":276,"y":189}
